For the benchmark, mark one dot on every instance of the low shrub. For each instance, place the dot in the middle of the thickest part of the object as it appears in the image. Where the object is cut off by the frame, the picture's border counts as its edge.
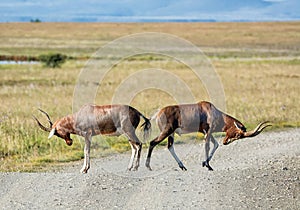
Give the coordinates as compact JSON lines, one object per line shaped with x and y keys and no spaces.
{"x":53,"y":60}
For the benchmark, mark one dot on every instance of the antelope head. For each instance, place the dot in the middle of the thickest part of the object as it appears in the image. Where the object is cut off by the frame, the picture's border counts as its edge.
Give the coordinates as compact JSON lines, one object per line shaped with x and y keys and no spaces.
{"x":57,"y":129}
{"x":239,"y":132}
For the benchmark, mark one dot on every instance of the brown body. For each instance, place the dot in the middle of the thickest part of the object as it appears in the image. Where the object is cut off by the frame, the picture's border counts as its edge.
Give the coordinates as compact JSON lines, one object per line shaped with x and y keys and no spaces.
{"x":201,"y":117}
{"x":93,"y":120}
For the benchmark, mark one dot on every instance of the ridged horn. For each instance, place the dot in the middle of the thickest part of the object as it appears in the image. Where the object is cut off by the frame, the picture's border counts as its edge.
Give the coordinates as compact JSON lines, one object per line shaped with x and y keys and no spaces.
{"x":40,"y":124}
{"x":259,"y":128}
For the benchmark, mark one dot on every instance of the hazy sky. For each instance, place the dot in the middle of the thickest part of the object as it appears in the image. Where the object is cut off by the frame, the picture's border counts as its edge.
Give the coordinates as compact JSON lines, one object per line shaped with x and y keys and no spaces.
{"x":142,"y":10}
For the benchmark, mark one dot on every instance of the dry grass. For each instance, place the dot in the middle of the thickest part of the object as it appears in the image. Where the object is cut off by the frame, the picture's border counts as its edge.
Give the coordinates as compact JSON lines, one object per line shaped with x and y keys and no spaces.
{"x":256,"y":89}
{"x":265,"y":90}
{"x":84,"y":38}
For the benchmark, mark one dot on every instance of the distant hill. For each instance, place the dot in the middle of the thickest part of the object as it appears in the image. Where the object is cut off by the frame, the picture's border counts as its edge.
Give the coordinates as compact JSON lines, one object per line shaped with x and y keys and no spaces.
{"x":143,"y":11}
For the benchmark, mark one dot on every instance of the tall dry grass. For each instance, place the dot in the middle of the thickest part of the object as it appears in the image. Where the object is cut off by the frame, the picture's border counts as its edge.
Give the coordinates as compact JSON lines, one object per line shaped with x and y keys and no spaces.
{"x":83,"y":39}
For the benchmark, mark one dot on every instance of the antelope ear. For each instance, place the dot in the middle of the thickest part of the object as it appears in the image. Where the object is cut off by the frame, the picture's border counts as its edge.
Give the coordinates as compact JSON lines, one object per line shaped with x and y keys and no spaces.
{"x":52,"y":132}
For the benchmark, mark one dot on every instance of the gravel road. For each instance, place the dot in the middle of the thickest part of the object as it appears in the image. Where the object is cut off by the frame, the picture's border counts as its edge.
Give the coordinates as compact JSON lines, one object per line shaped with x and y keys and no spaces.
{"x":261,"y":172}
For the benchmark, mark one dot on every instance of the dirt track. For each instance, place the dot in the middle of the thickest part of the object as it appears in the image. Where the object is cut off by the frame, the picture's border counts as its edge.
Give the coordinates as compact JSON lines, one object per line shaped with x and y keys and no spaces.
{"x":262,"y":172}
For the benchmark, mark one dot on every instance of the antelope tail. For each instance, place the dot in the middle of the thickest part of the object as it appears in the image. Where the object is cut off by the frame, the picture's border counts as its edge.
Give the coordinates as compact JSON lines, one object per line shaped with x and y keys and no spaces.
{"x":146,"y":127}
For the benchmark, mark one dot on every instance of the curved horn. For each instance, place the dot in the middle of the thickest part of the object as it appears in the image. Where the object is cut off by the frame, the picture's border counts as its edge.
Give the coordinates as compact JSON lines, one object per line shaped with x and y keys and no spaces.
{"x":259,"y":128}
{"x":49,"y":120}
{"x":40,"y":124}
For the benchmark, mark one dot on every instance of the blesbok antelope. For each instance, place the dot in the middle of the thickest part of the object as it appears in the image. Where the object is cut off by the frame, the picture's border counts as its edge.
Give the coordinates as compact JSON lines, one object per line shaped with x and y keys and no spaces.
{"x":201,"y":117}
{"x":92,"y":120}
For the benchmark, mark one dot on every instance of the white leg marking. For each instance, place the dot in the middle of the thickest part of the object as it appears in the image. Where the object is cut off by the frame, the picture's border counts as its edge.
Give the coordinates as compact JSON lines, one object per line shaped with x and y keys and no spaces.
{"x":133,"y":153}
{"x":138,"y":156}
{"x":86,"y":162}
{"x":135,"y":149}
{"x":216,"y":145}
{"x":207,"y":147}
{"x":172,"y":151}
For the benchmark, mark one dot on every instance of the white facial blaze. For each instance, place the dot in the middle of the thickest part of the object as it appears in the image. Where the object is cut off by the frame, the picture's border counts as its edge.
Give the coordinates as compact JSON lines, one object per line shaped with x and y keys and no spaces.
{"x":51,"y":133}
{"x":236,"y":125}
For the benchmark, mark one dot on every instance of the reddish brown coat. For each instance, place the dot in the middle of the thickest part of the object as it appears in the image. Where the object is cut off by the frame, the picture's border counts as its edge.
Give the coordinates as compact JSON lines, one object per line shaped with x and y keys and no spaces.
{"x":201,"y":117}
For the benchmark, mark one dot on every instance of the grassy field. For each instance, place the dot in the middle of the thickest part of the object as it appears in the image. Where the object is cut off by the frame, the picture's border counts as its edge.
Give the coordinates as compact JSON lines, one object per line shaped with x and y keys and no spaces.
{"x":258,"y":64}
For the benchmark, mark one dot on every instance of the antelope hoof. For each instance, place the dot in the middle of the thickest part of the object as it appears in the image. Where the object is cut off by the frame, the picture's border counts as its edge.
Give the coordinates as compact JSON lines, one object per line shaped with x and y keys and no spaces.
{"x":148,"y":164}
{"x":149,"y":168}
{"x":84,"y":170}
{"x":182,"y":167}
{"x":206,"y":164}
